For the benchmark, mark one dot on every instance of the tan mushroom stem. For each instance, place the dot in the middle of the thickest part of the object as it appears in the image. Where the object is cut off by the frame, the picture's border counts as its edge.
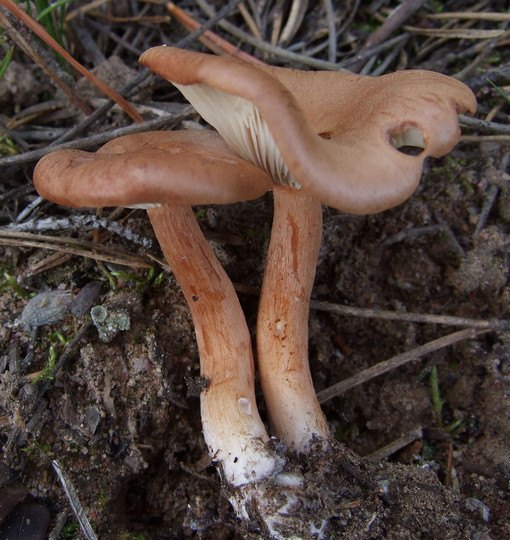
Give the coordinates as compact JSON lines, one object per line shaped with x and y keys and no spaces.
{"x":166,"y":172}
{"x":282,"y":324}
{"x":233,"y":430}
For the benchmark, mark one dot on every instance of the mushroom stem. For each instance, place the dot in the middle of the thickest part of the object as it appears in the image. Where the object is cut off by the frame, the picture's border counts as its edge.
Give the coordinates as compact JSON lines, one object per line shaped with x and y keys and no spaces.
{"x":282,"y":326}
{"x":233,"y":430}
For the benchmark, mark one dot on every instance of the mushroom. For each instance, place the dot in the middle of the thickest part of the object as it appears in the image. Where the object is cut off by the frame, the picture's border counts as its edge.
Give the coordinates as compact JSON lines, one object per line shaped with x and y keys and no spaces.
{"x":330,"y":137}
{"x":166,"y":172}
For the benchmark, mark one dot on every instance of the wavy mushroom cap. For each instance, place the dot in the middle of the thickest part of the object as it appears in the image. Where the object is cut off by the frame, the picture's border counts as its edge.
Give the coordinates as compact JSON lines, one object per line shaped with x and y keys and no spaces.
{"x":152,"y":168}
{"x":336,"y":134}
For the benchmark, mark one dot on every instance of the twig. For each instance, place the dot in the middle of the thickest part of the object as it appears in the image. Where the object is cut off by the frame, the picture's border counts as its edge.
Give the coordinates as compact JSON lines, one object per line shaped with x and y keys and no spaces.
{"x":447,"y":320}
{"x":100,"y":138}
{"x":212,"y":41}
{"x":455,"y":33}
{"x":400,"y":14}
{"x":452,"y":239}
{"x":332,"y":39}
{"x":490,"y":199}
{"x":40,"y":32}
{"x":250,"y":22}
{"x":82,"y":248}
{"x":28,"y":209}
{"x":74,"y":501}
{"x":478,"y":123}
{"x":267,"y":47}
{"x":25,"y":46}
{"x":485,"y":138}
{"x":473,"y":16}
{"x":80,"y":222}
{"x":411,"y":234}
{"x":497,"y":75}
{"x":488,"y":203}
{"x":295,"y":18}
{"x":394,"y":446}
{"x":397,"y":361}
{"x":387,"y":45}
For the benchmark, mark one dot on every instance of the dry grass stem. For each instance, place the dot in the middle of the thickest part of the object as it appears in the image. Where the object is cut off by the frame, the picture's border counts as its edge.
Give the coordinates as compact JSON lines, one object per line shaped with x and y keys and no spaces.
{"x":397,"y":361}
{"x":395,"y":446}
{"x":81,"y":248}
{"x":471,"y":16}
{"x":382,"y":314}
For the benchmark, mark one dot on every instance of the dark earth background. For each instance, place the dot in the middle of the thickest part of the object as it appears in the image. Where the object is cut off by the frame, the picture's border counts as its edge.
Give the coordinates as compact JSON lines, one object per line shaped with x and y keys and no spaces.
{"x":119,"y":409}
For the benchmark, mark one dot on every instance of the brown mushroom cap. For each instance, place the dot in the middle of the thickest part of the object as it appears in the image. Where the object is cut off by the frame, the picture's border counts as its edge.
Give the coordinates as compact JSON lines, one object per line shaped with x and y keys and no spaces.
{"x":188,"y":167}
{"x":336,"y":132}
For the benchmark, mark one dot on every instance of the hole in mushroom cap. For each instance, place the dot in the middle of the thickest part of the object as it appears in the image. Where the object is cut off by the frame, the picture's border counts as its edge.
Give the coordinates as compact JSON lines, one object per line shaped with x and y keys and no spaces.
{"x":409,"y":141}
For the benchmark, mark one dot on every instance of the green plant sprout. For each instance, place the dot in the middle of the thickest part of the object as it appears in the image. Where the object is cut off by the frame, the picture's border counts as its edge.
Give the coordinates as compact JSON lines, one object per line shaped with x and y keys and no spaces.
{"x":51,"y":15}
{"x":70,"y":531}
{"x":437,"y":401}
{"x":34,"y":446}
{"x":8,"y":282}
{"x":500,"y":91}
{"x":7,"y":145}
{"x":144,"y":281}
{"x":5,"y":60}
{"x":46,"y":372}
{"x":200,"y":213}
{"x":58,"y":336}
{"x":56,"y":339}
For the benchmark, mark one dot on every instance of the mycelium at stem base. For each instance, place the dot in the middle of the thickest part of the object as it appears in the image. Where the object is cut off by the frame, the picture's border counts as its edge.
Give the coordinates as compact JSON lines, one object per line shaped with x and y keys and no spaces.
{"x":282,"y":324}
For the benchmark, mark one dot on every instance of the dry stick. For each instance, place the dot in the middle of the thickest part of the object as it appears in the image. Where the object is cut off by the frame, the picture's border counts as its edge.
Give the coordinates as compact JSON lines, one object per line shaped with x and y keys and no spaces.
{"x":267,"y":47}
{"x":397,"y":361}
{"x":394,"y":446}
{"x":452,"y":239}
{"x":142,"y":76}
{"x":369,"y":313}
{"x":295,"y":18}
{"x":332,"y":33}
{"x":212,"y":41}
{"x":249,"y":21}
{"x":79,"y":222}
{"x":491,"y":127}
{"x":71,"y":245}
{"x":96,"y":140}
{"x":485,"y":16}
{"x":455,"y":33}
{"x":485,"y":49}
{"x":490,"y":199}
{"x":39,"y":31}
{"x":395,"y":19}
{"x":74,"y":500}
{"x":23,"y":44}
{"x":485,"y":138}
